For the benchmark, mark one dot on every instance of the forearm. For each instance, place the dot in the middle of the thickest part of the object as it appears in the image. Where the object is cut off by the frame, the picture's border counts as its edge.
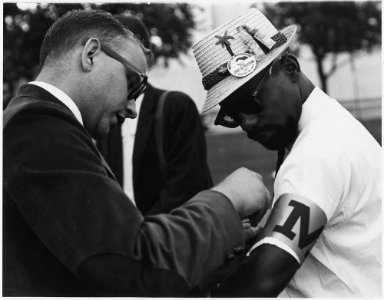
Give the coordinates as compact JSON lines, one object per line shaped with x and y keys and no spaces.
{"x":265,"y":273}
{"x":199,"y":235}
{"x":173,"y":252}
{"x":113,"y":275}
{"x":176,"y":249}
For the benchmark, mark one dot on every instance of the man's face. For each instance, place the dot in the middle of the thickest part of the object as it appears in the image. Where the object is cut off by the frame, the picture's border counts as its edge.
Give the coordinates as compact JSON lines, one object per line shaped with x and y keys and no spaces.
{"x":272,"y":115}
{"x":113,"y":86}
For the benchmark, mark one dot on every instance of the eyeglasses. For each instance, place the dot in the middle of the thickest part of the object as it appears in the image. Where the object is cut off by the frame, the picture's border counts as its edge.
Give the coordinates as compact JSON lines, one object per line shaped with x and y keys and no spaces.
{"x":141,"y":78}
{"x":263,"y":80}
{"x":230,"y":119}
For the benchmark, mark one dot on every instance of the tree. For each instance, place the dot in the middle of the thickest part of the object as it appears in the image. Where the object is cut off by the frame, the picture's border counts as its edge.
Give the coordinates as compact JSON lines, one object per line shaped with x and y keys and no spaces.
{"x":171,"y":22}
{"x":23,"y":30}
{"x":331,"y":28}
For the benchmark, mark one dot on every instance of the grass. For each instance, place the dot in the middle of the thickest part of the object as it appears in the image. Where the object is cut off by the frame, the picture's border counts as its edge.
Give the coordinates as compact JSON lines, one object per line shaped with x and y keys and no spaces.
{"x":227,"y":152}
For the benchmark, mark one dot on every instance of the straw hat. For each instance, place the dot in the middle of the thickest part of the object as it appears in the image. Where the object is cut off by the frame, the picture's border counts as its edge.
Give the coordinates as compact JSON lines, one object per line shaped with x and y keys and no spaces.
{"x":235,"y":52}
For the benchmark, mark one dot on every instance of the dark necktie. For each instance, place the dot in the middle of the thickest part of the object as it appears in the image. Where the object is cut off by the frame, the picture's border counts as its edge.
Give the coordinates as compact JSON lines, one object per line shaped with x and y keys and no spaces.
{"x":106,"y":166}
{"x":280,"y":159}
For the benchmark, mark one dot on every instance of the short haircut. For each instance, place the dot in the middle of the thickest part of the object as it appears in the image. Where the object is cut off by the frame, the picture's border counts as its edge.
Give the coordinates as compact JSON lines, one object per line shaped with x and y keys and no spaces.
{"x":76,"y":27}
{"x":137,"y":26}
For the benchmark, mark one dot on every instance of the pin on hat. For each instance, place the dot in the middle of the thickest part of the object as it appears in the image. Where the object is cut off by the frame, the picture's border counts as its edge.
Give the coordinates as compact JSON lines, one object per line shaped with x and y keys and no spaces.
{"x":237,"y":51}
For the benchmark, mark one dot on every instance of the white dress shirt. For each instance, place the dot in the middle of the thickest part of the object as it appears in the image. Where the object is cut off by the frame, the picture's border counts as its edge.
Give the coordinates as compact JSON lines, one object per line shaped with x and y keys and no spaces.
{"x":63,"y":97}
{"x":128,"y":133}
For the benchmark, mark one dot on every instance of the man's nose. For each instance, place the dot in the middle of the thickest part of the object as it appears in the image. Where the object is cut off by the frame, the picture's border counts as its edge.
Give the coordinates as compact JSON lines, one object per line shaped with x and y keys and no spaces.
{"x":131,"y":109}
{"x":247,"y":122}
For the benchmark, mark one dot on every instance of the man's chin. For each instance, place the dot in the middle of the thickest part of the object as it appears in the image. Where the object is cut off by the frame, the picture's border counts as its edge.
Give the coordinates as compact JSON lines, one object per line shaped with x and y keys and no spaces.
{"x":268,"y":141}
{"x":272,"y":147}
{"x":100,"y":135}
{"x":262,"y":138}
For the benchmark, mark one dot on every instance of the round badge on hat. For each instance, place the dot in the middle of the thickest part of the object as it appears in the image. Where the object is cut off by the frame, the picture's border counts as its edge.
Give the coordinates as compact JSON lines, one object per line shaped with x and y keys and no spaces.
{"x":241,"y":65}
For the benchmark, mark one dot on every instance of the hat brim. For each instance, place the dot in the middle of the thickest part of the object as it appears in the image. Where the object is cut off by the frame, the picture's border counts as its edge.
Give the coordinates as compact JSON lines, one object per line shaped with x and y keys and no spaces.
{"x":227,"y":86}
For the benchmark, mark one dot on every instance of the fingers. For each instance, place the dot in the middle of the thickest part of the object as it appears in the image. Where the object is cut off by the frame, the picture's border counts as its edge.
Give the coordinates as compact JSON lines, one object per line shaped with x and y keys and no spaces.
{"x":251,"y":234}
{"x":246,"y":191}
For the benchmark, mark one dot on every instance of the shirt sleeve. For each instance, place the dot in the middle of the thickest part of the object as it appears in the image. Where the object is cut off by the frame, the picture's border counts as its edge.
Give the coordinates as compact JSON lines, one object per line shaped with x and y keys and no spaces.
{"x":317,"y":170}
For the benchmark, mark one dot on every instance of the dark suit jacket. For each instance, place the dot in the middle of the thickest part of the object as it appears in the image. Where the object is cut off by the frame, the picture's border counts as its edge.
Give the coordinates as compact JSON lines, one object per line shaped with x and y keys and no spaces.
{"x":70,"y":230}
{"x":187,"y":171}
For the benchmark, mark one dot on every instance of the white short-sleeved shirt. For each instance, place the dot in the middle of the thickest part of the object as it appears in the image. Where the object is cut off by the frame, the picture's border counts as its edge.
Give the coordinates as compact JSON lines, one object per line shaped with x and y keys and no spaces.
{"x":128,"y":133}
{"x":336,"y":163}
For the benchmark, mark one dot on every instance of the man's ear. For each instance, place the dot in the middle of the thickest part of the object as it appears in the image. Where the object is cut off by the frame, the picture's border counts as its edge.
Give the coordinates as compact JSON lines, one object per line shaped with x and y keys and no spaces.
{"x":90,"y":50}
{"x":291,"y":66}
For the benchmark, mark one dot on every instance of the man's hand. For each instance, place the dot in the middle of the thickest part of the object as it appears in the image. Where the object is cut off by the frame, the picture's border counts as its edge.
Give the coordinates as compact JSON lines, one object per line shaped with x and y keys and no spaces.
{"x":246,"y":191}
{"x":251,"y":232}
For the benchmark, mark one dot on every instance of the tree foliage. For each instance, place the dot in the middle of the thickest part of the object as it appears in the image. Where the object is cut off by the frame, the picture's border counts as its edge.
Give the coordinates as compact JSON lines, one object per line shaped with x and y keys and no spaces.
{"x":23,"y":30}
{"x":331,"y":28}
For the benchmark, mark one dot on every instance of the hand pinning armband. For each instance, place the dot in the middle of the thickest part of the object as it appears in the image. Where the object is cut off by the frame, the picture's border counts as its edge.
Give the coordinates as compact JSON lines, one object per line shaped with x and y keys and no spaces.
{"x":294,"y":226}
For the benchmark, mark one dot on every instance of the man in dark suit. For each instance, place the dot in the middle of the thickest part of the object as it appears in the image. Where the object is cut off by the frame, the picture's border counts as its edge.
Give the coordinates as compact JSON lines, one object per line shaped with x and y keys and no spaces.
{"x":158,"y":186}
{"x":68,"y":227}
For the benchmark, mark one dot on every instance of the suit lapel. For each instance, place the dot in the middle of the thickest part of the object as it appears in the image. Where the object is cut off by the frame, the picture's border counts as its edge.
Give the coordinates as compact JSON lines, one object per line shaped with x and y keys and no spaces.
{"x":144,"y":126}
{"x":34,"y":91}
{"x":112,"y":150}
{"x":105,"y":165}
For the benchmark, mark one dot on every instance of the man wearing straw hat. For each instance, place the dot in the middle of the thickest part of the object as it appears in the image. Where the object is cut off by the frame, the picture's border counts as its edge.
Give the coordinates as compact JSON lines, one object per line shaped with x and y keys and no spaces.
{"x":323,"y":234}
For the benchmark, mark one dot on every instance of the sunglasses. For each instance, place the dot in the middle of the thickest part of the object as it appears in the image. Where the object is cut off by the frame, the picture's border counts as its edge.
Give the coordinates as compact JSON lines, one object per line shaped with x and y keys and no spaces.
{"x":229,"y":117}
{"x":139,"y":79}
